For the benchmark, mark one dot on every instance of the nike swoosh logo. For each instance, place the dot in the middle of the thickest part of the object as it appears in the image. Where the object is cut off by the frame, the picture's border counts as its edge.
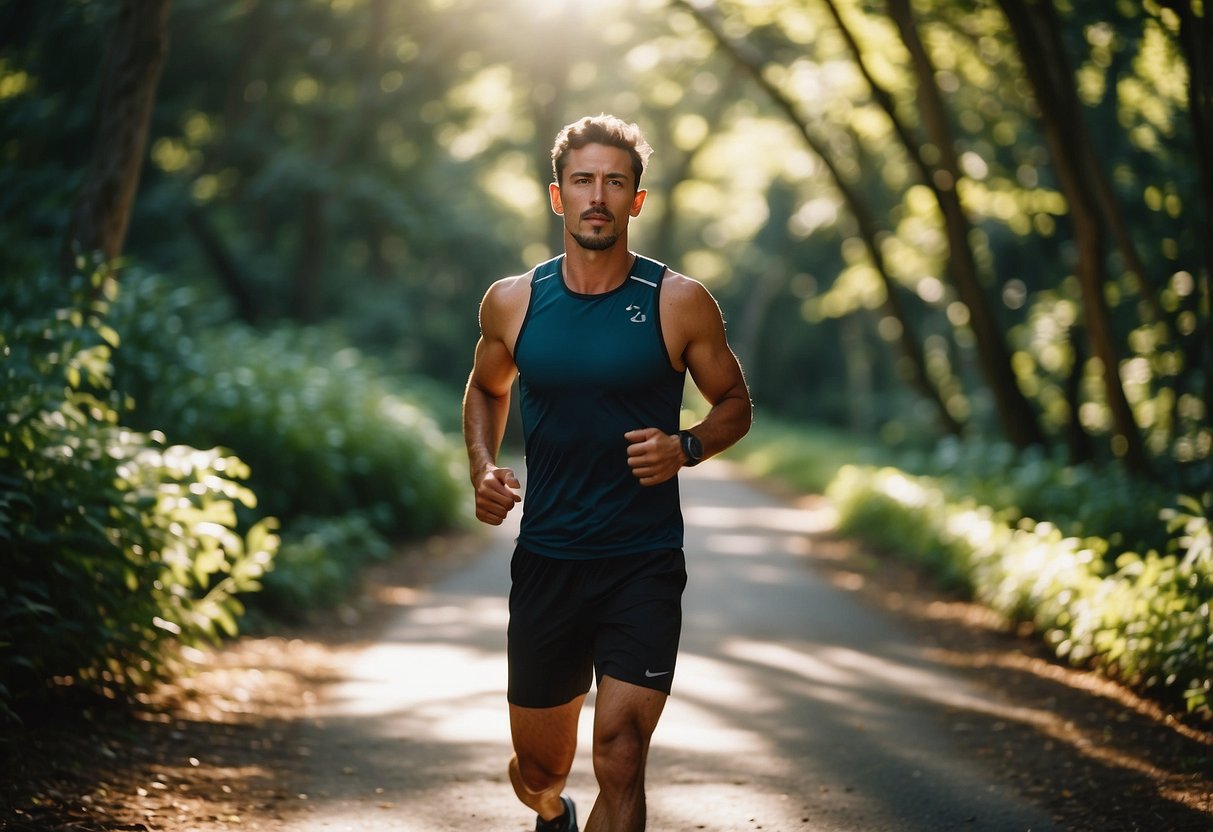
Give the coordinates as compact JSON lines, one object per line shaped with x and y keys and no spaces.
{"x":651,"y":675}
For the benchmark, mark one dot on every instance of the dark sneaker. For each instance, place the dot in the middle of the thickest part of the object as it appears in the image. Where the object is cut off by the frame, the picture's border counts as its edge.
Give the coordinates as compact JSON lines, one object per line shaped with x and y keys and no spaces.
{"x":565,"y":823}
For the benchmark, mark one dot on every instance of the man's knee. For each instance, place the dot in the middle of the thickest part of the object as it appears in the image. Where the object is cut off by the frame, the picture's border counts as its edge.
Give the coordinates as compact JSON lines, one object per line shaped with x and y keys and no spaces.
{"x":536,"y":774}
{"x":620,"y":756}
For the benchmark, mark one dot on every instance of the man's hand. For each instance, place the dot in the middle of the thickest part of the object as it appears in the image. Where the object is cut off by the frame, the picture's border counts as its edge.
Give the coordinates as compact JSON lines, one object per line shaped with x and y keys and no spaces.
{"x":654,"y":456}
{"x":496,"y":494}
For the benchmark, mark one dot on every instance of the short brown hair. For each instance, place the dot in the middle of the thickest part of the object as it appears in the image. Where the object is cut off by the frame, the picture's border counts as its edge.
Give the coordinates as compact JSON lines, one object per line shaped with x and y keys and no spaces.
{"x":601,"y":129}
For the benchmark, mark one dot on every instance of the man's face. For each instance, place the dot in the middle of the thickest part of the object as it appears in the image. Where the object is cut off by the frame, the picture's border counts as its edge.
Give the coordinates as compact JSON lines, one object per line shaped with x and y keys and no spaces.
{"x":597,"y":195}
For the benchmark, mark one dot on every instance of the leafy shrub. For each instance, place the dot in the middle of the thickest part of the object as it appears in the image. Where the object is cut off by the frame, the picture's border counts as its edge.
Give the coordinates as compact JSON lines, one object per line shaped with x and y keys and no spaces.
{"x":318,"y":565}
{"x":1145,"y":619}
{"x":324,"y":431}
{"x":1104,"y":501}
{"x":118,"y":547}
{"x":804,"y":457}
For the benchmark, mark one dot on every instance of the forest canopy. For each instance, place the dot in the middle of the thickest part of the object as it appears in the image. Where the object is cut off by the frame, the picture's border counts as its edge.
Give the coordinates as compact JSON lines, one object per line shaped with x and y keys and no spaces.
{"x":922,"y":218}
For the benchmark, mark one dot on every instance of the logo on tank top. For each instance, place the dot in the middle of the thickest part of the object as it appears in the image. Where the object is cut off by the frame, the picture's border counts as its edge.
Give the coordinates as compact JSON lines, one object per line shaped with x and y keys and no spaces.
{"x":639,"y":317}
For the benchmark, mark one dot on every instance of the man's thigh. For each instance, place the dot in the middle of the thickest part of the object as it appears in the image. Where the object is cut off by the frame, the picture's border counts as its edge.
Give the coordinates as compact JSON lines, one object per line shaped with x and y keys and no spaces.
{"x":622,"y":708}
{"x":545,"y":738}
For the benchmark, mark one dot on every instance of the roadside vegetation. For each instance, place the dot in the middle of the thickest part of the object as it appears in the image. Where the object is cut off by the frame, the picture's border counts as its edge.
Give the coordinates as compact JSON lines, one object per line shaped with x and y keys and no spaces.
{"x":1112,"y":573}
{"x":164,"y":469}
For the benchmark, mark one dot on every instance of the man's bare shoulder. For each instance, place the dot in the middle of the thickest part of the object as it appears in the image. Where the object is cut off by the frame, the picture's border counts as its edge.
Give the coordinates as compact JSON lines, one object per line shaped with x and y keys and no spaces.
{"x":685,"y":293}
{"x":504,"y":306}
{"x":508,"y":290}
{"x":505,"y":296}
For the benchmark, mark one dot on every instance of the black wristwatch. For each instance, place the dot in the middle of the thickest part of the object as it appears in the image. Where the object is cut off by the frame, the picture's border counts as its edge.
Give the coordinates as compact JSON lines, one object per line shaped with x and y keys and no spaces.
{"x":692,"y":448}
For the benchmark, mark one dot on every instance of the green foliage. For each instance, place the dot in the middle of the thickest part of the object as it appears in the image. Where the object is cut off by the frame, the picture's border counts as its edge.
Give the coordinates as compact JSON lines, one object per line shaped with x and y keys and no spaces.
{"x":119,"y":547}
{"x":807,"y":458}
{"x":380,"y":164}
{"x":324,"y":431}
{"x":1145,"y":619}
{"x":318,"y":566}
{"x":1100,"y":500}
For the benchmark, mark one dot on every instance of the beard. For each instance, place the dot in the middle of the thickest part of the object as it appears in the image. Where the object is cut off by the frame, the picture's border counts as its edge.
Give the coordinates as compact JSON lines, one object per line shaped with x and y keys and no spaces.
{"x":602,"y":238}
{"x":595,"y":242}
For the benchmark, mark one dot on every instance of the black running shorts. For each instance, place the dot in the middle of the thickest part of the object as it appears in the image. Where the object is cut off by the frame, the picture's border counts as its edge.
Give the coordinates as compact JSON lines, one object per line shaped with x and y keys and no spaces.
{"x":575,"y":620}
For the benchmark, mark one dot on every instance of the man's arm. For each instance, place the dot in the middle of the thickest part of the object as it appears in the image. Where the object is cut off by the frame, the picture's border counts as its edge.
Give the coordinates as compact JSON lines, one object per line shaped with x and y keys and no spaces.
{"x":486,"y":404}
{"x":698,"y":325}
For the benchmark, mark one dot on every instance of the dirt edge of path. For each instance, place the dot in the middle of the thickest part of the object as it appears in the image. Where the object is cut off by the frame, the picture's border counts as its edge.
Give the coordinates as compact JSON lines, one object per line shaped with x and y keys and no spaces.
{"x":1097,"y":755}
{"x":217,"y":749}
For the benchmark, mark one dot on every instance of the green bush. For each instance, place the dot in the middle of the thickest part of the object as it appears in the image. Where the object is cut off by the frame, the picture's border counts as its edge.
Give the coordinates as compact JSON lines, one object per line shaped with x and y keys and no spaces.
{"x":1104,"y":501}
{"x":1144,"y":619}
{"x":118,"y":547}
{"x":324,"y":431}
{"x":804,"y":457}
{"x":318,"y":566}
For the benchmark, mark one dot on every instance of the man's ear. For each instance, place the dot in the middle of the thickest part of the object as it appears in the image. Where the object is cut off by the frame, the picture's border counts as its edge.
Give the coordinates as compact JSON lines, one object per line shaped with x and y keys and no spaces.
{"x":638,"y":202}
{"x":554,"y":196}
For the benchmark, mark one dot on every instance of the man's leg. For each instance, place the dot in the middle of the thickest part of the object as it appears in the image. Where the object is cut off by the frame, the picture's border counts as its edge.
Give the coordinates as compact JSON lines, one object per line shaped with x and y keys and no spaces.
{"x":625,"y":716}
{"x":545,"y":740}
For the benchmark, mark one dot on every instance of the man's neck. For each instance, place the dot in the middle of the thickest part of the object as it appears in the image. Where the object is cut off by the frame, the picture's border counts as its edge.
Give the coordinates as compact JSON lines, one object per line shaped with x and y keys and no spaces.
{"x":596,"y":272}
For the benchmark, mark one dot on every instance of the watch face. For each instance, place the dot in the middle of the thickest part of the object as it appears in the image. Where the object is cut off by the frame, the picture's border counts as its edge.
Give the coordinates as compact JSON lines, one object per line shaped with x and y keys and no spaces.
{"x":692,"y":446}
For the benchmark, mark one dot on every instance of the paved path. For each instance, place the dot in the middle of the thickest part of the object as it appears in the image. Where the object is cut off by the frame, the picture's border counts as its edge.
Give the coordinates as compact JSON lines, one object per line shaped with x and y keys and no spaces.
{"x":796,"y":707}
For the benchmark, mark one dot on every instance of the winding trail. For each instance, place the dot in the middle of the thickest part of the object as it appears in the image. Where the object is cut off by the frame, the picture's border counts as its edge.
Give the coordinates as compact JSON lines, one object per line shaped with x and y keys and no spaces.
{"x":796,"y":706}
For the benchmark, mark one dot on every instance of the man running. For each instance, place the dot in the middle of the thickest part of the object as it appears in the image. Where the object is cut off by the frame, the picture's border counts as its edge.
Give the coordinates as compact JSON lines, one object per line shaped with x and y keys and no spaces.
{"x":601,"y":340}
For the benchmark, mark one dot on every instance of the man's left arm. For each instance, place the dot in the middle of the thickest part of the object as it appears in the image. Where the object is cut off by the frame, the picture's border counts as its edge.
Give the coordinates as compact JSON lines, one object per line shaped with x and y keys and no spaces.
{"x":655,"y":456}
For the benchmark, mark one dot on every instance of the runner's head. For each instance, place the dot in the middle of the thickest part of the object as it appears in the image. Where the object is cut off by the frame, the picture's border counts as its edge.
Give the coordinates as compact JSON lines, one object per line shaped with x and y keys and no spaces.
{"x":606,"y":130}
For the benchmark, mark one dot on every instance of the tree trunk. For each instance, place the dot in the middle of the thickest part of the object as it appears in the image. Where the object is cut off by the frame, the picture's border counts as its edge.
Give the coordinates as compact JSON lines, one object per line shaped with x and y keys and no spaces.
{"x":857,"y":362}
{"x":1114,"y":217}
{"x":1077,"y":440}
{"x":131,"y":72}
{"x":545,"y":115}
{"x":868,"y":227}
{"x":1037,"y":32}
{"x":228,"y":270}
{"x":755,"y":310}
{"x":309,"y":260}
{"x":1016,"y":414}
{"x":1196,"y":43}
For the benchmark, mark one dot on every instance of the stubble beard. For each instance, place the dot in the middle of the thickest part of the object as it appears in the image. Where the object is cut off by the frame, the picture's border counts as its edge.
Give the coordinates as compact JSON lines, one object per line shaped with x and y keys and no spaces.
{"x":595,"y":242}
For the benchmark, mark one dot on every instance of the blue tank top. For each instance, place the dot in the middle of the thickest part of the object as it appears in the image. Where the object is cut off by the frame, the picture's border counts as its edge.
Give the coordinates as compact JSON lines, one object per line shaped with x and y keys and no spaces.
{"x":591,"y":368}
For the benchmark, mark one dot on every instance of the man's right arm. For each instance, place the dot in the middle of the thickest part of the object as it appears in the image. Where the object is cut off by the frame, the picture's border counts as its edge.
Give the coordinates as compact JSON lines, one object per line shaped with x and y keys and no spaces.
{"x":486,"y":403}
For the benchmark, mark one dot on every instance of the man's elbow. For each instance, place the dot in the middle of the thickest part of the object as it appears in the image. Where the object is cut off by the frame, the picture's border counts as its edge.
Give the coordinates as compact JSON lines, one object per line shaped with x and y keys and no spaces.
{"x":743,"y":408}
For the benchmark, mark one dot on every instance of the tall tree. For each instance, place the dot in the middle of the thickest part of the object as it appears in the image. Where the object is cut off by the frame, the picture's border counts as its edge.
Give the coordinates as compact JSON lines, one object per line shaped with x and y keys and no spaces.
{"x":865,"y":218}
{"x":1037,"y":32}
{"x":1016,"y":415}
{"x":1196,"y":43}
{"x":134,"y":60}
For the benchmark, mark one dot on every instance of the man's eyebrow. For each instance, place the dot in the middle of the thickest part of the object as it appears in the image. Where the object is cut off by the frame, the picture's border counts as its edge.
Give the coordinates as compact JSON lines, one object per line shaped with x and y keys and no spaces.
{"x":614,"y":174}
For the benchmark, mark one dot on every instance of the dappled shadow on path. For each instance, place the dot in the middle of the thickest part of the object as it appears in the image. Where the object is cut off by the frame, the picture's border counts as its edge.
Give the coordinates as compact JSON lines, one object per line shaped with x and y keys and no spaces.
{"x":1095,"y":755}
{"x":211,"y":750}
{"x":798,"y":705}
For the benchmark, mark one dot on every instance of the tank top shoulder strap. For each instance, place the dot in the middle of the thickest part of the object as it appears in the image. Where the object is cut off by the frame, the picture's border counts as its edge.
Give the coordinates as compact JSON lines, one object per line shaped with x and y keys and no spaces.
{"x":651,"y":273}
{"x":547,"y":269}
{"x":648,"y":270}
{"x":541,"y":280}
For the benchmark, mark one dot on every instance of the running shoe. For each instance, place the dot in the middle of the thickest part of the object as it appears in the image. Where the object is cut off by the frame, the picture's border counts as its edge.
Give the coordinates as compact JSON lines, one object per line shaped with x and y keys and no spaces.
{"x":569,"y":817}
